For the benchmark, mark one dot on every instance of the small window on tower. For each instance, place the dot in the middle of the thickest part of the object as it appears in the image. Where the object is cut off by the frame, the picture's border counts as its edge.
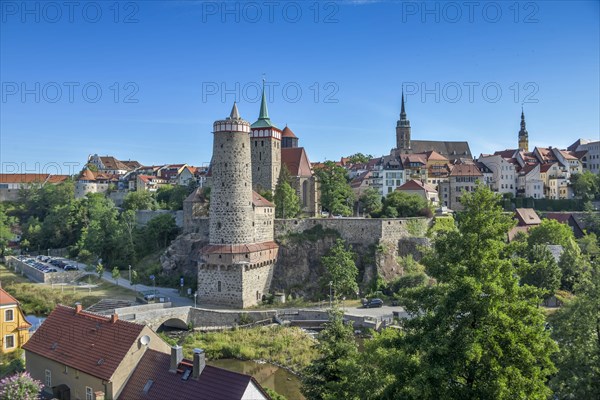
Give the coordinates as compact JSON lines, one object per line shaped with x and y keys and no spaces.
{"x":262,"y":143}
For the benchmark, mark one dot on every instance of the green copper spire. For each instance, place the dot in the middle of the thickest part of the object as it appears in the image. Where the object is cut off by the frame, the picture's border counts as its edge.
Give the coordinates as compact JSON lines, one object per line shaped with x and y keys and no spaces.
{"x":263,"y":118}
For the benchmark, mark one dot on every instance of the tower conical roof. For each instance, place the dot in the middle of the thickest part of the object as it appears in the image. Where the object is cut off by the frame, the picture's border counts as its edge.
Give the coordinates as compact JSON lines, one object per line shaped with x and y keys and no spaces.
{"x":263,"y":117}
{"x":235,"y":114}
{"x":402,"y":111}
{"x":287,"y":132}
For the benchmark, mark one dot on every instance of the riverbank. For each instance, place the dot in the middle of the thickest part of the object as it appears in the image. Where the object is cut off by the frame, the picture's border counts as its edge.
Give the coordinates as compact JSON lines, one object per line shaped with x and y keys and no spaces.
{"x":286,"y":347}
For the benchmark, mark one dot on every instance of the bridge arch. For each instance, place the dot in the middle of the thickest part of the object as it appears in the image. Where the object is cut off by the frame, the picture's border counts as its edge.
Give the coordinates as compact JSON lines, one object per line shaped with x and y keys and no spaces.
{"x":173,"y":323}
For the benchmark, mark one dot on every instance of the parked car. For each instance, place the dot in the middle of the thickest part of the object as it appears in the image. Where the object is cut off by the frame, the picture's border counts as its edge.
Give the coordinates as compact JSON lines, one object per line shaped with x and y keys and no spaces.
{"x":71,"y":268}
{"x":372,"y":303}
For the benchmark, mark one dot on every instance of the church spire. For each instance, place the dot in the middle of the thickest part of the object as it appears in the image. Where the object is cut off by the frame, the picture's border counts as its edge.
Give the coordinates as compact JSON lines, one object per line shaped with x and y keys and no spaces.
{"x":523,"y":134}
{"x":402,"y":111}
{"x":263,"y":117}
{"x":264,"y":112}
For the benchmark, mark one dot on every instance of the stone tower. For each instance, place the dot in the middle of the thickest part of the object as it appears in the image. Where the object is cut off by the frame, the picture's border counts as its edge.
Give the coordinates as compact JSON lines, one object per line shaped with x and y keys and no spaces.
{"x":231,"y":194}
{"x":265,"y":140}
{"x":236,"y":266}
{"x":523,"y":135}
{"x":403,"y":131}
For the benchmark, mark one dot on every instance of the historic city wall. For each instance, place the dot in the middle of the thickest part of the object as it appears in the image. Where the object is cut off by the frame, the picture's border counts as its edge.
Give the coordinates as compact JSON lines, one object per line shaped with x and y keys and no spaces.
{"x":142,"y":217}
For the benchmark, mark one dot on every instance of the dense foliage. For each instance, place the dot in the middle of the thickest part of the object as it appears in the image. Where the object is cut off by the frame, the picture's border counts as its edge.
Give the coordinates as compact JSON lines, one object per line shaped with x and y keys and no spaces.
{"x":399,"y":204}
{"x":91,"y":228}
{"x":20,"y":386}
{"x":340,"y":269}
{"x":287,"y":202}
{"x":337,"y":196}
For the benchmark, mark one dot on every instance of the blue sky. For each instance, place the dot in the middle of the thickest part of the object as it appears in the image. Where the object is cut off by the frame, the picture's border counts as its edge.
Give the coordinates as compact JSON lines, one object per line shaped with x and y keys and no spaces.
{"x":167,"y":70}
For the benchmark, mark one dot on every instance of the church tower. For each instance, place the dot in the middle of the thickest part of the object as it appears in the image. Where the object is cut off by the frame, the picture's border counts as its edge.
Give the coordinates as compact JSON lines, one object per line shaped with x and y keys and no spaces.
{"x":265,"y":141}
{"x":236,"y":267}
{"x":403,"y":131}
{"x":523,"y":135}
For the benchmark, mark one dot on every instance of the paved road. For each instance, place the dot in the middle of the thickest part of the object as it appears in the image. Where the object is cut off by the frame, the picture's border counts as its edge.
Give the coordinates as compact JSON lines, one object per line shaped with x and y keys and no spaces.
{"x":166,"y":292}
{"x":377,"y":312}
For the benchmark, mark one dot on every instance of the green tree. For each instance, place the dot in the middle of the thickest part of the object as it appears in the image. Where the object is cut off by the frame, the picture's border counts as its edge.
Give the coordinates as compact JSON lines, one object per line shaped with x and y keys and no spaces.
{"x":573,"y":265}
{"x":287,"y":202}
{"x":134,"y":278}
{"x":171,"y":197}
{"x":139,"y":200}
{"x":370,"y":201}
{"x":586,"y":185}
{"x":576,"y":328}
{"x":116,"y":274}
{"x":475,"y":333}
{"x":550,"y":231}
{"x":359,"y":158}
{"x":336,"y":345}
{"x":400,"y":204}
{"x":337,"y":196}
{"x":542,"y":271}
{"x":340,"y":269}
{"x":160,"y":231}
{"x":99,"y":270}
{"x":5,"y":230}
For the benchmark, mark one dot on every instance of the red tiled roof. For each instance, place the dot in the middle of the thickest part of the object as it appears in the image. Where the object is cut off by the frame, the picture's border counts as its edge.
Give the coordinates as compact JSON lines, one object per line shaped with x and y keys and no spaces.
{"x":465,"y":170}
{"x":110,"y":162}
{"x":563,"y":218}
{"x":527,"y":216}
{"x":420,"y":158}
{"x":213,"y":384}
{"x":287,"y":132}
{"x":238,"y":248}
{"x":85,"y":341}
{"x":508,"y":153}
{"x":434,"y":155}
{"x":6,"y":298}
{"x":414,"y":184}
{"x":296,"y":161}
{"x":546,"y":167}
{"x":260,"y":201}
{"x":32,"y":178}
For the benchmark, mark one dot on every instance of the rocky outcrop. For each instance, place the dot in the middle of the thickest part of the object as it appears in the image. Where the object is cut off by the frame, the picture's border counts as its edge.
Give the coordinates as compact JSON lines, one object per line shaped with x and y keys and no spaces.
{"x":298,"y":271}
{"x":182,"y":256}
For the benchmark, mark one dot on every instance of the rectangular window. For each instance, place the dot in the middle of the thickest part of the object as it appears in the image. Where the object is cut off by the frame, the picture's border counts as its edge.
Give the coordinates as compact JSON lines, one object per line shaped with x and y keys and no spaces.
{"x":9,"y":341}
{"x":89,"y":393}
{"x":9,"y":315}
{"x":48,"y":380}
{"x":218,"y":286}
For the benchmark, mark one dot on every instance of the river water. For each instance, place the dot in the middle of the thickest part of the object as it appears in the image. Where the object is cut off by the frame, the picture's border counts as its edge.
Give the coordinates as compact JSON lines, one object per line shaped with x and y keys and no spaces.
{"x":269,"y":375}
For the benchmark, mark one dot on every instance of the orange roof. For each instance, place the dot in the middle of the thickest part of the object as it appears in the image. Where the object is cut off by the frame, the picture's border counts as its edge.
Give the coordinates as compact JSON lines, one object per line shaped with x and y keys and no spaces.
{"x":260,"y":201}
{"x":465,"y":170}
{"x":238,"y":248}
{"x":6,"y":298}
{"x":287,"y":132}
{"x":435,"y":156}
{"x":32,"y":178}
{"x":87,"y":175}
{"x":98,"y":351}
{"x":296,"y":161}
{"x":416,"y":158}
{"x":416,"y":185}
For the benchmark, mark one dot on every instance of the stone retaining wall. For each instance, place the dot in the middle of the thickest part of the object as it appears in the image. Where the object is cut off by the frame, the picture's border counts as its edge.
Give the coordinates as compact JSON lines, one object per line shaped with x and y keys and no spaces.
{"x":38,"y":276}
{"x":142,"y":217}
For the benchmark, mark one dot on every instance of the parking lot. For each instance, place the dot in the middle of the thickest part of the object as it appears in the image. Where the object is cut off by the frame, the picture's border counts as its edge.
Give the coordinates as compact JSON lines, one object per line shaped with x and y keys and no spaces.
{"x":47,"y":264}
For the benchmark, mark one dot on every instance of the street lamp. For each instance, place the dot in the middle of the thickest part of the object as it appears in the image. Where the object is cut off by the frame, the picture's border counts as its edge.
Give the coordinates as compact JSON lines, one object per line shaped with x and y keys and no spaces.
{"x":130,"y":274}
{"x":330,"y":294}
{"x":195,"y":296}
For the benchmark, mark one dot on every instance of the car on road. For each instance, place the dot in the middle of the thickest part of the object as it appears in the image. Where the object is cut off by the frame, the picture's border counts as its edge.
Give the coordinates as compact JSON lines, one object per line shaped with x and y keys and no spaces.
{"x":372,"y":303}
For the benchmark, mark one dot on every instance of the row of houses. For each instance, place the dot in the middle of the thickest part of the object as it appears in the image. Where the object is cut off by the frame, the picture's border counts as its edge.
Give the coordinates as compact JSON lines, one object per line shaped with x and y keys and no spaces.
{"x":449,"y":169}
{"x":106,"y":173}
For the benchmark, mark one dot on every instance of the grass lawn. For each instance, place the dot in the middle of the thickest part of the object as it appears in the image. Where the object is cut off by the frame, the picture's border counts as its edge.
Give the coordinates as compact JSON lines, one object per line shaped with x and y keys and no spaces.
{"x":287,"y":346}
{"x":41,"y":299}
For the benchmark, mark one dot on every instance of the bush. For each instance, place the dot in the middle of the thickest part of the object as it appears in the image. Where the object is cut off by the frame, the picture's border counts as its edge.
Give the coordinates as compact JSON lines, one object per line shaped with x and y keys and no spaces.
{"x":20,"y":386}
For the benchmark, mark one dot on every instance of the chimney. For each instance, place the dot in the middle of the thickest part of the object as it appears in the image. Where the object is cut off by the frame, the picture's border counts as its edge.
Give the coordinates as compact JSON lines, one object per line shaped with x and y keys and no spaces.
{"x":78,"y":308}
{"x":199,"y":363}
{"x":176,"y":357}
{"x":114,"y":318}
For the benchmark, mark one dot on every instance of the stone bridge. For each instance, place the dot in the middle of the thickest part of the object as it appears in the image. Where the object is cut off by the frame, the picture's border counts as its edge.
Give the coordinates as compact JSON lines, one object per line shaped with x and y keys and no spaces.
{"x":157,"y":315}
